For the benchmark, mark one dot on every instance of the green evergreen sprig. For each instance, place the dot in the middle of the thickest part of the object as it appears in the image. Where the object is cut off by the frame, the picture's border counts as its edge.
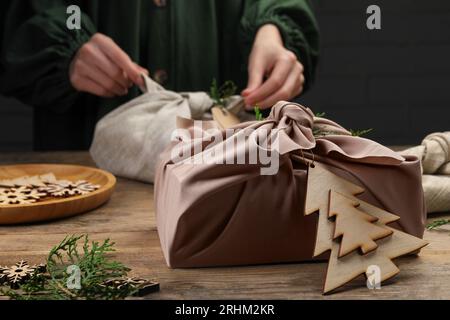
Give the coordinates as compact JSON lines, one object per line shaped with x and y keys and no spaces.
{"x":360,"y":133}
{"x":320,"y":114}
{"x":220,"y":94}
{"x":258,"y":113}
{"x":354,"y":133}
{"x":95,"y":268}
{"x":437,"y":223}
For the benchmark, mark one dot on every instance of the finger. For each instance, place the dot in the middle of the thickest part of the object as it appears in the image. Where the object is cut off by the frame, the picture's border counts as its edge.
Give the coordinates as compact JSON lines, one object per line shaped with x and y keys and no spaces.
{"x":129,"y":82}
{"x":298,"y":92}
{"x":116,"y":54}
{"x":276,"y":80}
{"x":291,"y":88}
{"x":88,"y":85}
{"x":102,"y":62}
{"x":256,"y":72}
{"x":99,"y":77}
{"x":95,"y":88}
{"x":110,"y":68}
{"x":301,"y":82}
{"x":107,"y":82}
{"x":142,"y":69}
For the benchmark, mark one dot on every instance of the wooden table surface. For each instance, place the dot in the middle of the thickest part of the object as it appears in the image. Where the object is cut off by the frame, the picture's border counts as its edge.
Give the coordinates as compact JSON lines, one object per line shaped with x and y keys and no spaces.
{"x":128,"y":219}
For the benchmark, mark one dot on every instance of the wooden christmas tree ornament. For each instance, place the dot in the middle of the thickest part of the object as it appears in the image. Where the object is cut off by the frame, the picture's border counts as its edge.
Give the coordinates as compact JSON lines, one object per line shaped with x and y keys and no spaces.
{"x":317,"y":196}
{"x":356,"y":228}
{"x":342,"y":270}
{"x":358,"y":237}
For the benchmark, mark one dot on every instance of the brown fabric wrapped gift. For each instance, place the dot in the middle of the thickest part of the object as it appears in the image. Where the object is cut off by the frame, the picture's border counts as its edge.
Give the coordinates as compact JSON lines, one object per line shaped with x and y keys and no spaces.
{"x":212,"y":214}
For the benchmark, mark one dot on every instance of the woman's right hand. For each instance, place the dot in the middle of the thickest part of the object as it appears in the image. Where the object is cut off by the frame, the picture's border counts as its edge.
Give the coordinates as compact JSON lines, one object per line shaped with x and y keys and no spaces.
{"x":102,"y":68}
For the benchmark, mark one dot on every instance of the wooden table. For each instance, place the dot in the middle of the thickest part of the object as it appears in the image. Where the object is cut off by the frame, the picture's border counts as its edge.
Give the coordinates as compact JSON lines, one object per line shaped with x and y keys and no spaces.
{"x":129,"y":220}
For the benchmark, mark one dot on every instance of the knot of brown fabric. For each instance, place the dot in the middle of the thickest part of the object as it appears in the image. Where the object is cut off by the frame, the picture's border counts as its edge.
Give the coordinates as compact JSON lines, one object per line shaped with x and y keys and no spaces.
{"x":294,"y":124}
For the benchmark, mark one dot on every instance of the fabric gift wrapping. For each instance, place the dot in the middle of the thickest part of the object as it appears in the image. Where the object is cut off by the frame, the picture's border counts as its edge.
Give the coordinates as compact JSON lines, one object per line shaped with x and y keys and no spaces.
{"x":128,"y":141}
{"x":211,"y":214}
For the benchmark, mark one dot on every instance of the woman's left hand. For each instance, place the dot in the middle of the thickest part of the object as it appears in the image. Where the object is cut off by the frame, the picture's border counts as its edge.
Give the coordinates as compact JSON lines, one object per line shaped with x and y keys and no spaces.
{"x":274,"y":72}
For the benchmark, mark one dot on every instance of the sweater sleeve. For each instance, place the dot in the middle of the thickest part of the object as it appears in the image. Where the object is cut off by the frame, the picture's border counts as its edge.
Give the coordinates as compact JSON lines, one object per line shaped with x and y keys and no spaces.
{"x":297,"y":25}
{"x":37,"y":52}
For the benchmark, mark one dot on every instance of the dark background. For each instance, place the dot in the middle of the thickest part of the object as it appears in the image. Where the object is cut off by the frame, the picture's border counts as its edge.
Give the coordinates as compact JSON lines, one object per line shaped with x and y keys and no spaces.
{"x":395,"y":80}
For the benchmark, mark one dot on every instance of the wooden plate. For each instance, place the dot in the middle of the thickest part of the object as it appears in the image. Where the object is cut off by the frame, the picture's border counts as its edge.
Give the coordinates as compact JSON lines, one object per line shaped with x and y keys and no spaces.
{"x":56,"y":208}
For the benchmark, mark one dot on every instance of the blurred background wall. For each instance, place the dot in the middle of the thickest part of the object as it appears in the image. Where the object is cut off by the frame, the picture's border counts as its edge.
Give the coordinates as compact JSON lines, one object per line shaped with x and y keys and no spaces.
{"x":395,"y":80}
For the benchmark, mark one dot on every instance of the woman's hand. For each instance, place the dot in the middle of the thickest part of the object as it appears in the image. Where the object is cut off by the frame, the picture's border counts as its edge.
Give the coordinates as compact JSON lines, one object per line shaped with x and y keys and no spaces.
{"x":274,"y":72}
{"x":102,"y":68}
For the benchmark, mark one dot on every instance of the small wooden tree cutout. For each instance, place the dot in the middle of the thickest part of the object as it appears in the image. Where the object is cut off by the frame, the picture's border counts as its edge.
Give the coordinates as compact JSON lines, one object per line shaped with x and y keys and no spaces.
{"x":320,"y":182}
{"x":356,"y":228}
{"x":347,"y":264}
{"x":345,"y":269}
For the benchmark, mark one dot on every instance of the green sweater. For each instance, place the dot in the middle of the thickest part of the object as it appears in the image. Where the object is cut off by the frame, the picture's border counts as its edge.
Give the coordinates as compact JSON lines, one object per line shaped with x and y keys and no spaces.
{"x":193,"y":41}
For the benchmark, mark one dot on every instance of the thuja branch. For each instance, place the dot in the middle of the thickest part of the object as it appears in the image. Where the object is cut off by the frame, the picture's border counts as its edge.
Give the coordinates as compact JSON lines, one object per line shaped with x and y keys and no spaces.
{"x":95,"y":268}
{"x":220,"y":94}
{"x":320,"y":114}
{"x":360,"y":133}
{"x":258,"y":113}
{"x":438,"y":223}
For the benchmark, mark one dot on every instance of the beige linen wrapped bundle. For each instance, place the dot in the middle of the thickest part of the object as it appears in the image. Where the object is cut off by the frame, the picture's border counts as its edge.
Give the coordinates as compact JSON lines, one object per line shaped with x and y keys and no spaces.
{"x":129,"y":140}
{"x":434,"y":153}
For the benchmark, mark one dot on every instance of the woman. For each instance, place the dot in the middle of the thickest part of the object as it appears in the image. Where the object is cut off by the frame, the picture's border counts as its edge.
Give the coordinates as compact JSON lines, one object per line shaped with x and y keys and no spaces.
{"x":268,"y":48}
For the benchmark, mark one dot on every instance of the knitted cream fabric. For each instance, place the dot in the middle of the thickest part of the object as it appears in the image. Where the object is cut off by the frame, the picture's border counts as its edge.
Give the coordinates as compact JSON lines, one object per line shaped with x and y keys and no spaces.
{"x":434,"y":153}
